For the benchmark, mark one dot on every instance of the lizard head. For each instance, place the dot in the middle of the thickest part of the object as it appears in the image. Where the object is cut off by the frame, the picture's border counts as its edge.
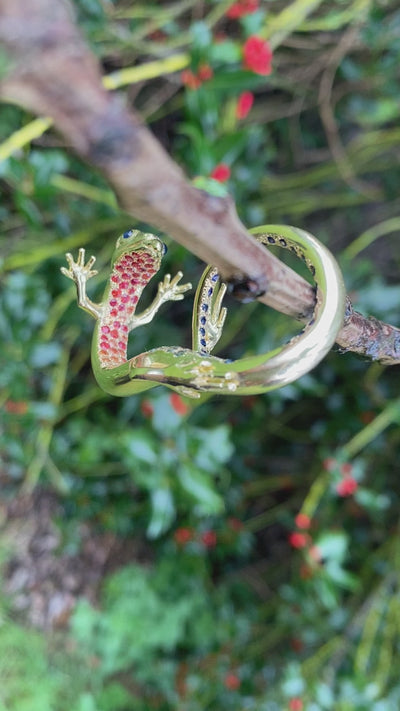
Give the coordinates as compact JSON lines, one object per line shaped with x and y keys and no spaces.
{"x":136,"y":241}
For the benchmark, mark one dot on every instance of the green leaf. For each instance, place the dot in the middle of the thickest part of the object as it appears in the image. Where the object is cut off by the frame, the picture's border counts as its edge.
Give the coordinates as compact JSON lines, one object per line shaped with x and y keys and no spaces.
{"x":201,"y":35}
{"x":86,"y":702}
{"x":211,"y":186}
{"x":238,"y":80}
{"x":213,"y":447}
{"x":333,"y":545}
{"x":226,"y":52}
{"x":340,"y":576}
{"x":162,"y":512}
{"x":371,"y":500}
{"x":141,"y":444}
{"x":44,"y":354}
{"x":201,"y":487}
{"x":165,"y":420}
{"x":46,"y":163}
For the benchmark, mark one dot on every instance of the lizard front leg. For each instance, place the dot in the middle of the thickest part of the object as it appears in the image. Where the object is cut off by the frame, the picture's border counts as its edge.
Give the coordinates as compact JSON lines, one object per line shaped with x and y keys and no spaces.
{"x":168,"y":290}
{"x":80,"y":272}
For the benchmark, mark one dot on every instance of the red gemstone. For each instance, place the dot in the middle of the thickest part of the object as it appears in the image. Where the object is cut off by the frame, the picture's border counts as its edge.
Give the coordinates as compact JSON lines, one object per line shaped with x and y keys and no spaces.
{"x":115,"y":293}
{"x":114,"y":278}
{"x":114,"y":333}
{"x":123,"y":285}
{"x":124,"y":299}
{"x":105,"y":329}
{"x":116,"y":324}
{"x":125,"y":328}
{"x":122,"y":345}
{"x":113,"y":312}
{"x":121,"y":308}
{"x":113,"y":302}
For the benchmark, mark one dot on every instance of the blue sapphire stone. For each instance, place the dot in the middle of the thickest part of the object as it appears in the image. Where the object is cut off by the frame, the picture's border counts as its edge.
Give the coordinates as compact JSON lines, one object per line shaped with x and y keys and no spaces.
{"x":215,"y":277}
{"x":203,"y":320}
{"x":127,"y":234}
{"x":204,"y":307}
{"x":210,"y":291}
{"x":202,"y":332}
{"x":203,"y":342}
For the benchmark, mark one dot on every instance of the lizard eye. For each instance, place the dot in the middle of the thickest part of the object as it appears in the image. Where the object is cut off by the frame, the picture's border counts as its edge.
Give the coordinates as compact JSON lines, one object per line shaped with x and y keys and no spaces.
{"x":164,"y":249}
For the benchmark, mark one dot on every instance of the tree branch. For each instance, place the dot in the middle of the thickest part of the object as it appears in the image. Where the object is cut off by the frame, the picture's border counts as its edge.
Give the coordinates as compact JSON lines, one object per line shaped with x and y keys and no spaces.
{"x":51,"y":72}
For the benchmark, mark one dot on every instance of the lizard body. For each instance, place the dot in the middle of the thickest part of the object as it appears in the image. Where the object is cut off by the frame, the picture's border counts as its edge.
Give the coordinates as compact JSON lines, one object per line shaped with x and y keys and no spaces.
{"x":137,"y":258}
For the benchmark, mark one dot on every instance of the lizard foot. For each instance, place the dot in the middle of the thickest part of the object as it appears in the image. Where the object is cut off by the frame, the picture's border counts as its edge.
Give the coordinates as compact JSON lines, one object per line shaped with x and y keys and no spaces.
{"x":79,"y":271}
{"x":211,"y":314}
{"x":170,"y":289}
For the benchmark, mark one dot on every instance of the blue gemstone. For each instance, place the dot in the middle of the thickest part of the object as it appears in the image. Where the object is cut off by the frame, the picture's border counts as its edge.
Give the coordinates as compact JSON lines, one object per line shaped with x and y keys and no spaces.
{"x":210,"y":291}
{"x":215,"y":277}
{"x":164,"y":249}
{"x":203,"y":320}
{"x":202,"y":332}
{"x":127,"y":234}
{"x":203,"y":342}
{"x":204,"y":307}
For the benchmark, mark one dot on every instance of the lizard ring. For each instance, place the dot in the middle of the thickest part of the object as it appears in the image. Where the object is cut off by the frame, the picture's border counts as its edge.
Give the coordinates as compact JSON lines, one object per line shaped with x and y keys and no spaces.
{"x":137,"y":258}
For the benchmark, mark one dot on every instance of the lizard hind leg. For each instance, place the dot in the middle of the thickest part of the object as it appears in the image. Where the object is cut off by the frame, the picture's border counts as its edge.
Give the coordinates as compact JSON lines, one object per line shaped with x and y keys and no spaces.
{"x":208,"y":314}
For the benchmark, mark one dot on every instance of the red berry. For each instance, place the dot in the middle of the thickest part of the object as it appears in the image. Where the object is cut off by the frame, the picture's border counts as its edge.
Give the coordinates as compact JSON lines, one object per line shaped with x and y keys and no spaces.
{"x":298,"y":540}
{"x":346,"y":469}
{"x":16,"y":407}
{"x":190,"y":79}
{"x":205,"y":72}
{"x":179,"y":405}
{"x":241,"y":8}
{"x":146,"y":408}
{"x":221,"y":172}
{"x":315,"y":554}
{"x":329,"y":464}
{"x":209,"y":539}
{"x":257,"y":55}
{"x":183,"y":535}
{"x":232,"y":681}
{"x":296,"y":644}
{"x":244,"y":104}
{"x":347,"y":487}
{"x":303,"y":521}
{"x":235,"y":524}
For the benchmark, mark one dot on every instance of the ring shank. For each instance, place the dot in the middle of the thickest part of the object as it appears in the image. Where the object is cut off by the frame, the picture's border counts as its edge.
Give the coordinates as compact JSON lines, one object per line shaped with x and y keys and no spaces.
{"x":305,"y":351}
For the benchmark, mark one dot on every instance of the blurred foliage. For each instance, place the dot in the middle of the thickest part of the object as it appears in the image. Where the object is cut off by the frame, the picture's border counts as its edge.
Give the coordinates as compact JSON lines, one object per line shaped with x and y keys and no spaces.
{"x":241,"y":603}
